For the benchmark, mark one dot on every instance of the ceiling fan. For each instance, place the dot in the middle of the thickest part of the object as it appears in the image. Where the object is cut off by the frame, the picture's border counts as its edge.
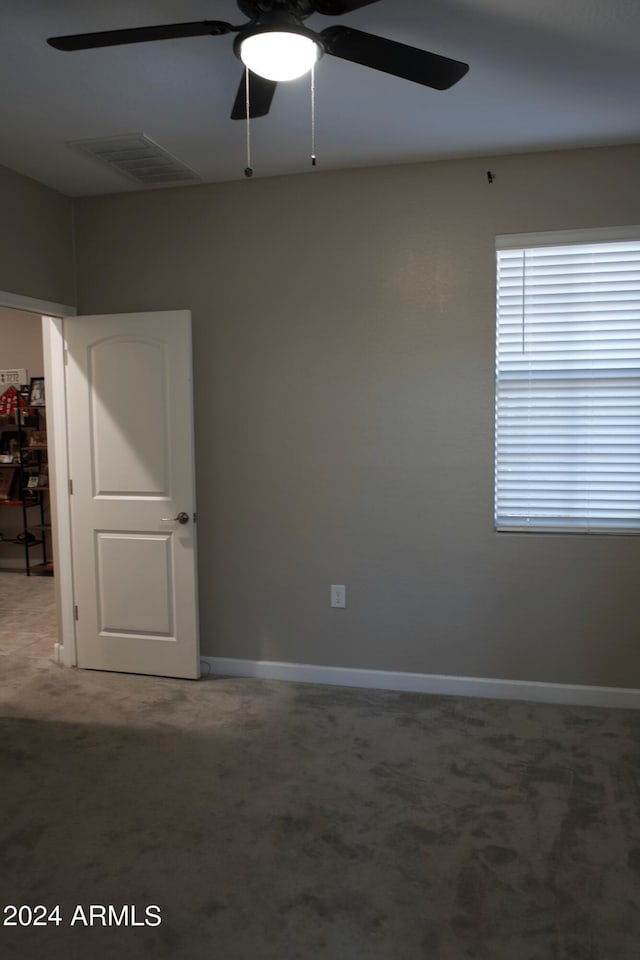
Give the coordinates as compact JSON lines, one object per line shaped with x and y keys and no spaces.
{"x":275,"y":45}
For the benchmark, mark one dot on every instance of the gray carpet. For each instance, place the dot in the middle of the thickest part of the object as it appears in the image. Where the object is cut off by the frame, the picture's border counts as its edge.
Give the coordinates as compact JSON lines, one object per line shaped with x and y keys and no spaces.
{"x":274,"y":821}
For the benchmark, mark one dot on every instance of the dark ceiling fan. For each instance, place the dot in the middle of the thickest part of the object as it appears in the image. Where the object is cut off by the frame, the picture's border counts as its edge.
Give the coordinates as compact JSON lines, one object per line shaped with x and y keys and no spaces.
{"x":285,"y":18}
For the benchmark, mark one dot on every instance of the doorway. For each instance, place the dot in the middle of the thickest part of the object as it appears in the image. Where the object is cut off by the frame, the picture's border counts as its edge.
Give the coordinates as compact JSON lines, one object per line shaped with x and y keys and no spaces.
{"x":159,"y":347}
{"x":28,"y":608}
{"x":41,"y":600}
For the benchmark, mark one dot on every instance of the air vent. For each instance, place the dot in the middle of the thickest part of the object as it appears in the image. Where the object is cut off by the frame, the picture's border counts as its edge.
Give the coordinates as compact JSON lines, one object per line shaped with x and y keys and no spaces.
{"x":139,"y":158}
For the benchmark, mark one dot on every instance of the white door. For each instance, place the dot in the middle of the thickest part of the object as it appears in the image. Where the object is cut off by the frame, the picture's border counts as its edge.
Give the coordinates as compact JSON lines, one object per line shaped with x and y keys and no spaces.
{"x":131,"y":464}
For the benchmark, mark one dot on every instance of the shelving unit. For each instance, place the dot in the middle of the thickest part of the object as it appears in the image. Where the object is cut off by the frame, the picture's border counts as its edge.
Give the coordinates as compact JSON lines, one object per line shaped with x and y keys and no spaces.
{"x":29,"y":490}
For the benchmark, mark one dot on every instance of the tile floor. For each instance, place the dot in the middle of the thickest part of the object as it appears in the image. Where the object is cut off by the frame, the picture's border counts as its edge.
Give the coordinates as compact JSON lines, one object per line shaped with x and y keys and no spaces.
{"x":27,"y":615}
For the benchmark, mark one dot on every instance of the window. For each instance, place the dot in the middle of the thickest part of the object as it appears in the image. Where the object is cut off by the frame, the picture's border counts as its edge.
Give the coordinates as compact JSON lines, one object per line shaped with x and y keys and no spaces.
{"x":567,"y":453}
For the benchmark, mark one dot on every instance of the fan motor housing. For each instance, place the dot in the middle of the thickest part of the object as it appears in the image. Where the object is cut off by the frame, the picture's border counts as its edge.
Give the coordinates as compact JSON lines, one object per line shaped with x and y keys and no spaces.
{"x":275,"y":21}
{"x":298,"y":9}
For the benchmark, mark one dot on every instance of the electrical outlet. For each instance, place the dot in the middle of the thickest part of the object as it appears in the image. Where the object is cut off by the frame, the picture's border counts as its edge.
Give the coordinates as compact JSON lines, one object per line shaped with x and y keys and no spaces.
{"x":338,"y":595}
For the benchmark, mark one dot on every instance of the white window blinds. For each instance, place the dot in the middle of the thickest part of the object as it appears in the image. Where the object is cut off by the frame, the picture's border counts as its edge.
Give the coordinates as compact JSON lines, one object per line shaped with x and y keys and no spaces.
{"x":567,"y":453}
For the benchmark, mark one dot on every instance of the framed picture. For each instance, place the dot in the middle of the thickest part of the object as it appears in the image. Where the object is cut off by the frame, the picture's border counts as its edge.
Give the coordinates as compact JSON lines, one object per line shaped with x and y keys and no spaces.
{"x":7,"y":477}
{"x":9,"y":440}
{"x":36,"y":392}
{"x":38,"y":438}
{"x":13,"y":378}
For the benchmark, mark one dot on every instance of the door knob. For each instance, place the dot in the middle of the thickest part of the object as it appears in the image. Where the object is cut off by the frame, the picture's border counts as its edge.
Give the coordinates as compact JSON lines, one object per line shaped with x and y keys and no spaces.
{"x":181,"y":518}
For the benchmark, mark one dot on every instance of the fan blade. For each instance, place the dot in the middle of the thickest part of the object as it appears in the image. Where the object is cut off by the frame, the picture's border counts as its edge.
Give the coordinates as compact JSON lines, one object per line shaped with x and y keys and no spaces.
{"x":334,"y":8}
{"x":398,"y":59}
{"x":168,"y":31}
{"x":261,"y":93}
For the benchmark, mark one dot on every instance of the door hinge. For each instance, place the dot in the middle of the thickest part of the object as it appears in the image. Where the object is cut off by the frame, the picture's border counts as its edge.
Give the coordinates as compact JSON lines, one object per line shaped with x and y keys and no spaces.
{"x":75,"y":611}
{"x":70,"y":485}
{"x":66,"y":356}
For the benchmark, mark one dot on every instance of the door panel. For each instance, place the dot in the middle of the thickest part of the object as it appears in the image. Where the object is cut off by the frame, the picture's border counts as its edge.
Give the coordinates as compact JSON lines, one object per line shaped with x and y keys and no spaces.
{"x":130,"y":414}
{"x":135,"y":462}
{"x":128,"y":567}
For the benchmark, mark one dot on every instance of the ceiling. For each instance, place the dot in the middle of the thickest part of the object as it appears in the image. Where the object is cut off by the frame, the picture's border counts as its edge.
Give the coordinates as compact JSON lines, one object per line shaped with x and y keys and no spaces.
{"x":543,"y":75}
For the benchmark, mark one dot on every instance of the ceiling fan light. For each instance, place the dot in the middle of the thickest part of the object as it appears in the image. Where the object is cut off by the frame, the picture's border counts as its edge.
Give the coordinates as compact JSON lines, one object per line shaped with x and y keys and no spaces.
{"x":279,"y":55}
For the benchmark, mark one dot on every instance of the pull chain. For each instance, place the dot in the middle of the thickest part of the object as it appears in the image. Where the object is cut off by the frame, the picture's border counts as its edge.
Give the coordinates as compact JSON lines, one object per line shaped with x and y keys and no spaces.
{"x":248,"y":171}
{"x":313,"y":115}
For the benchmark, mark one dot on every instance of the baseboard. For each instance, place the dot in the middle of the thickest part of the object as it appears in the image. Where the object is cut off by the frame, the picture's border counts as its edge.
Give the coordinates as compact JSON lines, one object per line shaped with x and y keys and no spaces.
{"x":563,"y":693}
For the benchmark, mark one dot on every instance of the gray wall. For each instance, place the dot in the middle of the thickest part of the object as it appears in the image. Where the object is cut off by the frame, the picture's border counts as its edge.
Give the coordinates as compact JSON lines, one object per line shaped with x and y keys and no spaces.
{"x":36,"y":240}
{"x":344,"y":362}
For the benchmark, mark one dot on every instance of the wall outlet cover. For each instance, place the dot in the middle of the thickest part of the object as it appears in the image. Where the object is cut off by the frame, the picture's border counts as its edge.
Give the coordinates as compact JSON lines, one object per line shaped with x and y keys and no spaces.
{"x":338,"y":595}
